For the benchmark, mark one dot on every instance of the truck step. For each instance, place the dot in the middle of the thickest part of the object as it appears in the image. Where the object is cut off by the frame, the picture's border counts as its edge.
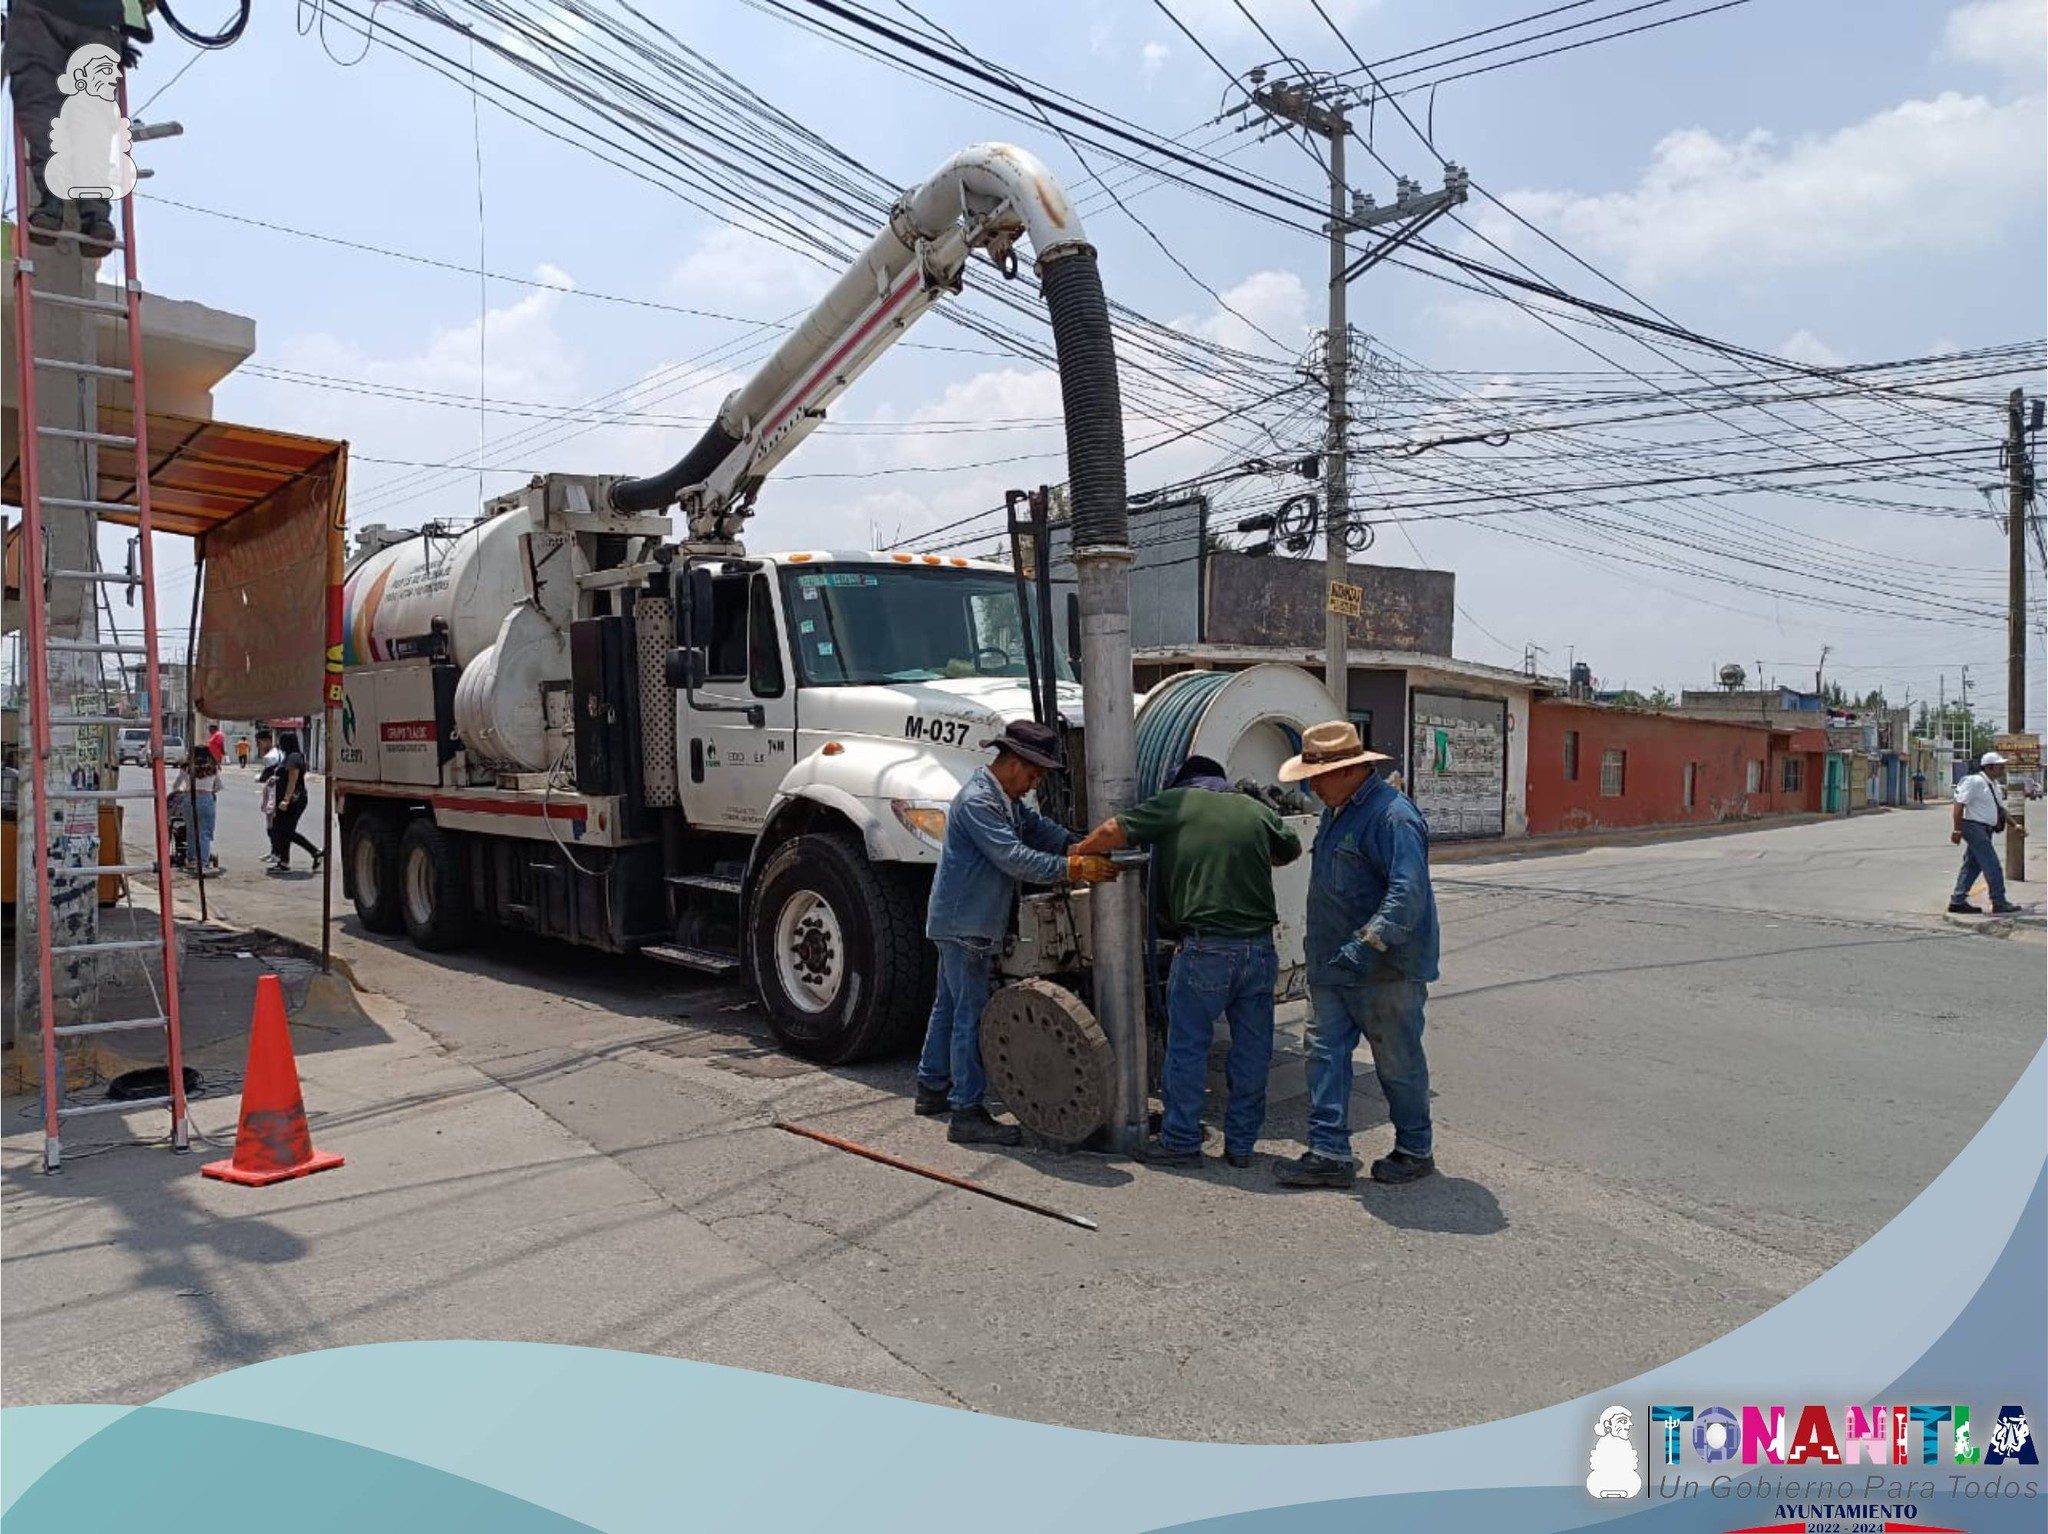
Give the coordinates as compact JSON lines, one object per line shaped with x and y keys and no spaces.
{"x":717,"y":884}
{"x":710,"y":961}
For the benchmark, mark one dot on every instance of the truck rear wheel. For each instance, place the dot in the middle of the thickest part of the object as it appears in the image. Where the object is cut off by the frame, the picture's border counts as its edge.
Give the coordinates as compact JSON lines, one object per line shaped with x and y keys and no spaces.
{"x":372,"y":854}
{"x":433,"y":889}
{"x":836,"y":951}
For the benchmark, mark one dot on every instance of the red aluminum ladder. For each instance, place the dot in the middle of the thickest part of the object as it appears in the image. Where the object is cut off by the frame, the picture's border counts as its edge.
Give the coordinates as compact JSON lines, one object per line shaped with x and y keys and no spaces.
{"x":161,"y":951}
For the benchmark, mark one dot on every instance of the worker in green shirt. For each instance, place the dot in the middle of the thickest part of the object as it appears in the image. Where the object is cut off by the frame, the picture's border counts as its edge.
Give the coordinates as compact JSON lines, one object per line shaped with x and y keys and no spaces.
{"x":1214,"y":852}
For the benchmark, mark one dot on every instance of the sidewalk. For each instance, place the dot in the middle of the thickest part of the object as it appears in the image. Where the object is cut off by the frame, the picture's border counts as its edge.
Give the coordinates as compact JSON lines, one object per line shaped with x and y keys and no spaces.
{"x":129,"y":1274}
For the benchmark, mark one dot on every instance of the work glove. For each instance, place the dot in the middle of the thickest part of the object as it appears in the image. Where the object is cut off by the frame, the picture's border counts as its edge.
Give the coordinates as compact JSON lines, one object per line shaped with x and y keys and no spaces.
{"x":1089,"y":869}
{"x":1360,"y":954}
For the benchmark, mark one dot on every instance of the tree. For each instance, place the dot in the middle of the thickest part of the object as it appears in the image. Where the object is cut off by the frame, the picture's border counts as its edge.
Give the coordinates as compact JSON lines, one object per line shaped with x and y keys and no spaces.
{"x":1661,"y":698}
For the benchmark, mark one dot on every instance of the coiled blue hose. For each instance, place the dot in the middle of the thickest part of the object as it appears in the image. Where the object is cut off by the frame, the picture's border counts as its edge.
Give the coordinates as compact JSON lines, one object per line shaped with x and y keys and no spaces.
{"x":1166,"y":727}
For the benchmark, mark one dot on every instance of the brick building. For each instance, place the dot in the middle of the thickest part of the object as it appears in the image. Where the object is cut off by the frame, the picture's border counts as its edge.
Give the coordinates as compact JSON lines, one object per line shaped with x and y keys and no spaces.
{"x":1593,"y":767}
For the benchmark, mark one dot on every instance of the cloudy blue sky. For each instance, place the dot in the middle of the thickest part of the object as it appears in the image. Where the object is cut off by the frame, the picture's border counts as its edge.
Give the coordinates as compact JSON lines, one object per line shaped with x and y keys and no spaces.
{"x":1832,"y":181}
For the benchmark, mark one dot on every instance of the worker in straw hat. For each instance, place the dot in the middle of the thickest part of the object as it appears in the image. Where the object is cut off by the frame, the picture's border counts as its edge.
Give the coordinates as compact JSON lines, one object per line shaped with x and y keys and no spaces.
{"x":1372,"y":951}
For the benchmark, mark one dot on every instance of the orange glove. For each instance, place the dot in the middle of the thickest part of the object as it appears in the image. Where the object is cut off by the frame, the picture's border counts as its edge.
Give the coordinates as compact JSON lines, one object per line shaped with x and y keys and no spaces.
{"x":1086,"y":869}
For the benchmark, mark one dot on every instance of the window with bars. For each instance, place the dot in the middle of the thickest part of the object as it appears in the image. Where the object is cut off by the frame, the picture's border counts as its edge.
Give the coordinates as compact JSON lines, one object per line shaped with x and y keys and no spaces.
{"x":1692,"y":784}
{"x":1613,"y":773}
{"x":1571,"y":756}
{"x":1756,"y":778}
{"x":1794,"y":779}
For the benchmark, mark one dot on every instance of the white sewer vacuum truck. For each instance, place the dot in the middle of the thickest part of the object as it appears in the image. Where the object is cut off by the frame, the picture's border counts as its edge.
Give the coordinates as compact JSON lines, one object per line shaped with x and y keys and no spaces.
{"x":560,"y":721}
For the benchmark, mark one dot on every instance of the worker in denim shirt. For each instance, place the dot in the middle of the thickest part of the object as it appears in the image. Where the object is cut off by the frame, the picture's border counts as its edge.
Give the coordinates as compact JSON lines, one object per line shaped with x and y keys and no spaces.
{"x":994,"y":841}
{"x":1372,"y":951}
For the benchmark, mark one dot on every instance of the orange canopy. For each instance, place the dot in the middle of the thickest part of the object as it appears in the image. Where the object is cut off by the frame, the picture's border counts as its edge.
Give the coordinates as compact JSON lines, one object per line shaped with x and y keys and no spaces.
{"x":202,"y":474}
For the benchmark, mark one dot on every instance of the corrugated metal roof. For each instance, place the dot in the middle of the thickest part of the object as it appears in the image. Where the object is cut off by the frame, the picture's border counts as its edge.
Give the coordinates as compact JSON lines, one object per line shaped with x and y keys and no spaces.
{"x":202,"y":473}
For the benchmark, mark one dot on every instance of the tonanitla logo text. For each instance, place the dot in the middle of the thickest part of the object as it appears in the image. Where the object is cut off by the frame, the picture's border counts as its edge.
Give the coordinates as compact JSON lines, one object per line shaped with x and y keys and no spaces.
{"x":1818,"y":1436}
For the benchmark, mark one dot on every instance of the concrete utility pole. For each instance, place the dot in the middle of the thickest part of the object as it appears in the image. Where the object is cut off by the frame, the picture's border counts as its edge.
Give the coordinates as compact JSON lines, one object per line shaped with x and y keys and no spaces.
{"x":1316,"y":104}
{"x":67,"y":401}
{"x":2017,"y":466}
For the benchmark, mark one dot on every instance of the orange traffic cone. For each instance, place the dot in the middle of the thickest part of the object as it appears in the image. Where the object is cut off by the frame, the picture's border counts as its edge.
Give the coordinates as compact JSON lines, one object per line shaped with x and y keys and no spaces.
{"x":273,"y":1142}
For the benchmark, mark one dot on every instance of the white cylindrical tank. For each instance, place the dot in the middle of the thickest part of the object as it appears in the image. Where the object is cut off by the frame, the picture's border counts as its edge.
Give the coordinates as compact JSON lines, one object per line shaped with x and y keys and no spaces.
{"x":469,"y":582}
{"x":500,"y":702}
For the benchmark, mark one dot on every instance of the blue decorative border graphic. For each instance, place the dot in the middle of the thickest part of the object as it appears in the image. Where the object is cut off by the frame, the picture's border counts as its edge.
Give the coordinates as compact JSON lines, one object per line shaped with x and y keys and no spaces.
{"x":1945,"y":1304}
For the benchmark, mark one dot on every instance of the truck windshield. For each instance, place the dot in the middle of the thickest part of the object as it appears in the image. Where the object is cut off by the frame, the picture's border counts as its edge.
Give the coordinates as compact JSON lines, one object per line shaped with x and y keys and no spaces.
{"x":867,"y":624}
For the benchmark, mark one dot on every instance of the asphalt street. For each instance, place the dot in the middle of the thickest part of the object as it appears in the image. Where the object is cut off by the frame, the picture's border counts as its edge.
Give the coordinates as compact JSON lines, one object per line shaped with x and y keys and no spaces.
{"x":1674,"y":1082}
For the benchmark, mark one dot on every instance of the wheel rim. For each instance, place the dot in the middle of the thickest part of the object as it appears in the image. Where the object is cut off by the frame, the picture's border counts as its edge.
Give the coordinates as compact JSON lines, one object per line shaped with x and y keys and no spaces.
{"x":365,"y":872}
{"x":419,"y":888}
{"x":810,"y":951}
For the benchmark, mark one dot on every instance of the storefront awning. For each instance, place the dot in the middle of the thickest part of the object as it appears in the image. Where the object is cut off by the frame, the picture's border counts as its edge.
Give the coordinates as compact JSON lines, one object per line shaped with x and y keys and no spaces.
{"x":202,"y":474}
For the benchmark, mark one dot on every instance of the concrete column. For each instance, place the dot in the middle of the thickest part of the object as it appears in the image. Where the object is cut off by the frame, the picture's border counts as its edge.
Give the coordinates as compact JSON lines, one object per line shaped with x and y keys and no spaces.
{"x":69,"y":470}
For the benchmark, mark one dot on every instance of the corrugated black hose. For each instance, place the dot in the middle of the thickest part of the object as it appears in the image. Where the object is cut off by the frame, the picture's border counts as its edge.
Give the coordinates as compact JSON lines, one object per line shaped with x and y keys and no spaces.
{"x":1088,"y":390}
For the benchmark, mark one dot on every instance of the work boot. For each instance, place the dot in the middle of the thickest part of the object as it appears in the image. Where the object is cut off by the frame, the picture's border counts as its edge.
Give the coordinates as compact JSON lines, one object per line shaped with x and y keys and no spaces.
{"x":2006,"y":908}
{"x":974,"y":1126}
{"x":931,"y":1101}
{"x":1160,"y":1155}
{"x":45,"y":220}
{"x":1310,"y":1170}
{"x":1403,"y":1167}
{"x":1964,"y":908}
{"x":95,"y":229}
{"x":1238,"y":1159}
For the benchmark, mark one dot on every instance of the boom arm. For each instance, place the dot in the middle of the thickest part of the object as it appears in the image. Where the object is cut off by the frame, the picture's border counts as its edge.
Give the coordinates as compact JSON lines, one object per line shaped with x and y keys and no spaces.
{"x":984,"y":198}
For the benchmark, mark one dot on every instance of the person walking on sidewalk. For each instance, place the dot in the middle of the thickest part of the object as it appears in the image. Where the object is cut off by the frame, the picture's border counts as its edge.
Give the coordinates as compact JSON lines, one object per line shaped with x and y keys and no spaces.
{"x":290,"y":782}
{"x":1979,"y":816}
{"x":1919,"y":786}
{"x":199,"y":783}
{"x":1215,"y":852}
{"x":993,"y":841}
{"x":1372,"y":952}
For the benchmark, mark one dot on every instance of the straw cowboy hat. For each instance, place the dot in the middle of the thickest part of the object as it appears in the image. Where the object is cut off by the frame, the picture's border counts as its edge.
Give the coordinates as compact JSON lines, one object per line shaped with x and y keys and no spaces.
{"x":1326,"y":748}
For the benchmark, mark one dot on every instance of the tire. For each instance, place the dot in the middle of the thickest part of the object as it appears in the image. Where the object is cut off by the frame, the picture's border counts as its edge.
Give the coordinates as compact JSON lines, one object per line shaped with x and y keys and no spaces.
{"x":820,"y":910}
{"x":433,"y":888}
{"x":371,"y":850}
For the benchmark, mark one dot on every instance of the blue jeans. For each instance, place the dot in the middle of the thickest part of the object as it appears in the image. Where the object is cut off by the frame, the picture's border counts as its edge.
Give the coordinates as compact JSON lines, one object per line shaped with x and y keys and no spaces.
{"x":1980,"y":856}
{"x":951,"y":1061}
{"x":1388,"y":1013}
{"x":200,"y":810}
{"x":1218,"y":977}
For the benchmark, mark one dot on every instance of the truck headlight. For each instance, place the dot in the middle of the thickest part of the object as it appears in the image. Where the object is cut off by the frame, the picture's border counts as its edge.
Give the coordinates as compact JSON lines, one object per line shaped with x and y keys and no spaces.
{"x":925,"y":820}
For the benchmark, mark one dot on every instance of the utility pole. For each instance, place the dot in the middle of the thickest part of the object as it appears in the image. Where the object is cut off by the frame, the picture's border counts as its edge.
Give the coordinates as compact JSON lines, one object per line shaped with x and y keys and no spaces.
{"x":1316,"y":104}
{"x":2018,"y":475}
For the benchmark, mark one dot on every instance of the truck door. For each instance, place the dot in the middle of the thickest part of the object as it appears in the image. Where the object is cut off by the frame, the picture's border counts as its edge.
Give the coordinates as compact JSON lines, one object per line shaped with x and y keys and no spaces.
{"x":731,"y":767}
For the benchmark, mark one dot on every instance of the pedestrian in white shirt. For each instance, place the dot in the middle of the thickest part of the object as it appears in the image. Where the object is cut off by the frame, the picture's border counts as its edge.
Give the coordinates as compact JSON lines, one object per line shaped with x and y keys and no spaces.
{"x":1979,"y":815}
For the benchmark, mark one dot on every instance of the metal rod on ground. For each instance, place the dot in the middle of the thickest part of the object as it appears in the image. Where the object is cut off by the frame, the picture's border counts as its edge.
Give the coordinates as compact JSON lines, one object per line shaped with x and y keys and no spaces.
{"x":853,"y":1147}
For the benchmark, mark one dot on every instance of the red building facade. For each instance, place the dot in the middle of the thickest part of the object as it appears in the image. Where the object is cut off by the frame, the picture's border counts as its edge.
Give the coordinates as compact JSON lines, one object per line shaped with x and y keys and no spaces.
{"x":1594,"y":768}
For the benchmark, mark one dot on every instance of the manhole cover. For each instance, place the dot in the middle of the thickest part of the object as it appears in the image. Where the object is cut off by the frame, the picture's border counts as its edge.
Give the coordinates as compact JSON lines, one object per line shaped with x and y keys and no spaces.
{"x":1049,"y":1060}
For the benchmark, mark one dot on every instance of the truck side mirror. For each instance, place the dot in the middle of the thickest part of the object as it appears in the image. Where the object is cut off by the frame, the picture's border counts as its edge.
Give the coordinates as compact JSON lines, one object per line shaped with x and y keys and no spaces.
{"x":684,"y":669}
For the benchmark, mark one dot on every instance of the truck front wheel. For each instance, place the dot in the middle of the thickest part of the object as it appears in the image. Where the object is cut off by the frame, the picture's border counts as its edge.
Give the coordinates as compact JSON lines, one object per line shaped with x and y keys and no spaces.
{"x":433,"y":888}
{"x":837,"y":951}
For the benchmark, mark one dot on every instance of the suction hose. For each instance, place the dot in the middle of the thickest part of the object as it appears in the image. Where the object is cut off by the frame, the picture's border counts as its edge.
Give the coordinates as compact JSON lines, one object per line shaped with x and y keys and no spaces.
{"x":1088,"y":391}
{"x":655,"y":492}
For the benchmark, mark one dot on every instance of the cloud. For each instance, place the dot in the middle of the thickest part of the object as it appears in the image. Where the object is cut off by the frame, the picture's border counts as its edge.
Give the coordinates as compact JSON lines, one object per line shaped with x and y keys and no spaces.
{"x":1152,"y":58}
{"x":1999,"y":34}
{"x":731,"y":267}
{"x":1804,"y":346}
{"x":1707,"y":206}
{"x":1275,"y":302}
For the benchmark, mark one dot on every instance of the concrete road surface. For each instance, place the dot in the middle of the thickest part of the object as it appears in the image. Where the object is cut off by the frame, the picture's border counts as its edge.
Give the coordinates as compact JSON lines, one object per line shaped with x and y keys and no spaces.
{"x":1673,"y":1082}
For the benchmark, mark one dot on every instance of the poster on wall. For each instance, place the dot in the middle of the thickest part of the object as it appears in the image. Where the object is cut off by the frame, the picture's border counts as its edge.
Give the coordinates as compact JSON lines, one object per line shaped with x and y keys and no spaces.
{"x":1459,"y":758}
